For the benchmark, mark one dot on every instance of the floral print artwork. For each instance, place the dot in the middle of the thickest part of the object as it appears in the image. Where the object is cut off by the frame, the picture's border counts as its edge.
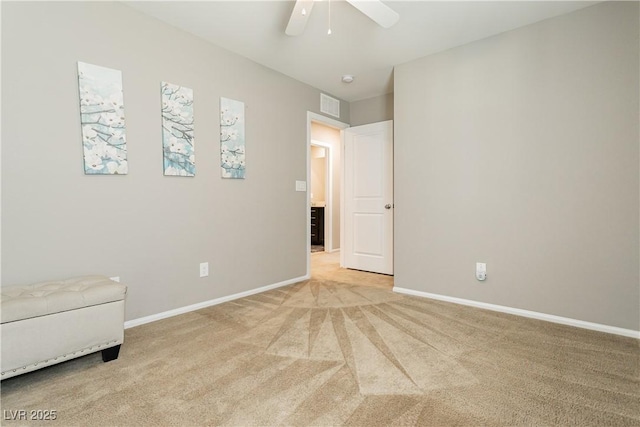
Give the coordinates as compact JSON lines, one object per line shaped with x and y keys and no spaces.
{"x":177,"y":130}
{"x":102,"y":120}
{"x":232,"y":138}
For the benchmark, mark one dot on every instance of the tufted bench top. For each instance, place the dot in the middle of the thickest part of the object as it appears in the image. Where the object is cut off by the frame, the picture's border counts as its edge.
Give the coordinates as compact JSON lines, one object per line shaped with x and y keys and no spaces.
{"x":41,"y":299}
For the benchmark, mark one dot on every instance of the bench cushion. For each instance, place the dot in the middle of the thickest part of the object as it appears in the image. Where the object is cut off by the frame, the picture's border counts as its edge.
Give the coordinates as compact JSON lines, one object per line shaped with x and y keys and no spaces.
{"x":41,"y":299}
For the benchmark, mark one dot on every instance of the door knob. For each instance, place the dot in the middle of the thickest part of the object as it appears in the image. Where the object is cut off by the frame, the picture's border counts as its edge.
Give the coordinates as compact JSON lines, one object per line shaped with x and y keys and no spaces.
{"x":387,"y":206}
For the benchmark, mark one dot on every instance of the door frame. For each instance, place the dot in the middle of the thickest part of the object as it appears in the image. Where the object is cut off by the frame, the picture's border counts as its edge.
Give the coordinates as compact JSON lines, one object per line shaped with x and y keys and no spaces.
{"x":327,"y":121}
{"x":328,"y":198}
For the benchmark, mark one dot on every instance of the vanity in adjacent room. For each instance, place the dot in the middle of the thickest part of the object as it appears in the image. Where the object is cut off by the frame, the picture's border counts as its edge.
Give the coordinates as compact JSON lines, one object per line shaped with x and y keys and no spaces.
{"x":317,"y":225}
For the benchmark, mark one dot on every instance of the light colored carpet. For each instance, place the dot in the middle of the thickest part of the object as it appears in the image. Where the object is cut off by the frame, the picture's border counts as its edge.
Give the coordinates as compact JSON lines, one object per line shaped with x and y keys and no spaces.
{"x":342,"y":349}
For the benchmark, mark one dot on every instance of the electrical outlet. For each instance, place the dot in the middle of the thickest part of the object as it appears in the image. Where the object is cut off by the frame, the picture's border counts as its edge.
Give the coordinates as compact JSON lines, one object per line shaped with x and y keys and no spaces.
{"x":204,"y":269}
{"x":481,"y":271}
{"x":115,"y":278}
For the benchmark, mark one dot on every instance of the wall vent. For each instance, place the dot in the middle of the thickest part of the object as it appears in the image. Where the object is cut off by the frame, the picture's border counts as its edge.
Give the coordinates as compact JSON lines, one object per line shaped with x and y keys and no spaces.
{"x":329,"y":105}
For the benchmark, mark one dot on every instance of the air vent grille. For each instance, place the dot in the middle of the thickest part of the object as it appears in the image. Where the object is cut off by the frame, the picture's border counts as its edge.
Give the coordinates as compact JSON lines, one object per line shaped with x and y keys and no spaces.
{"x":329,"y":105}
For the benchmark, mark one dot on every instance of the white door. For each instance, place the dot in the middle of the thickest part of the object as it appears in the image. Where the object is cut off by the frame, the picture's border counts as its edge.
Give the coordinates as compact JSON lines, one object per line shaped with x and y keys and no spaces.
{"x":368,"y":199}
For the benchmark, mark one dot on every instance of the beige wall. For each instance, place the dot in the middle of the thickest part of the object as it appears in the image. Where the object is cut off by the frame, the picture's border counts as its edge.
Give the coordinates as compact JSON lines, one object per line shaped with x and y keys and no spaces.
{"x":371,"y":110}
{"x":318,"y":173}
{"x":521,"y":151}
{"x":150,"y":230}
{"x":331,"y":137}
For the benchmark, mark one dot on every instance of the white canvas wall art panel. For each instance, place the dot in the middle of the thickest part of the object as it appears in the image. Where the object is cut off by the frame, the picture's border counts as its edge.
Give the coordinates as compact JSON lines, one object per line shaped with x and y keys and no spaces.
{"x":177,"y":130}
{"x":102,"y":120}
{"x":232,"y":140}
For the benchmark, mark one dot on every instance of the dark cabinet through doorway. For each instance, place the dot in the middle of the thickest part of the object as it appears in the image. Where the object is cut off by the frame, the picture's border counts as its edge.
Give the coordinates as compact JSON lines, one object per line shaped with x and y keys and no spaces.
{"x":317,"y":226}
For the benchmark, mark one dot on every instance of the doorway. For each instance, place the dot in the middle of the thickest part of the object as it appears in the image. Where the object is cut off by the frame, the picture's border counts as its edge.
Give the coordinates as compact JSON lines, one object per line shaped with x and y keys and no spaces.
{"x":324,"y":137}
{"x":321,"y":196}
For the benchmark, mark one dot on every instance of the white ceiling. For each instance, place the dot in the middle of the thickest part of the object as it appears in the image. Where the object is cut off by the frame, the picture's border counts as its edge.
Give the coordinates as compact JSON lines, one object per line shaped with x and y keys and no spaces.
{"x":255,"y":29}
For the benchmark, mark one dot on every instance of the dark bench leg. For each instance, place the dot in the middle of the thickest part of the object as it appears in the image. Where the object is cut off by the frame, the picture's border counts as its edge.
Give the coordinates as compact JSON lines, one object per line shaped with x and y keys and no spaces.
{"x":109,"y":354}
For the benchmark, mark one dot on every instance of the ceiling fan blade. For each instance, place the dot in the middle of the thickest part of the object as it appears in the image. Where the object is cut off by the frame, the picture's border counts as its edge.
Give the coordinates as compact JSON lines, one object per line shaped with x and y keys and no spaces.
{"x":299,"y":17}
{"x":379,"y":12}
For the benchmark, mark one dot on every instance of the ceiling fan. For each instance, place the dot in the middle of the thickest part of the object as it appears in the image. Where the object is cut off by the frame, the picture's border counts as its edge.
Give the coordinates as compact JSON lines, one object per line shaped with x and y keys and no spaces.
{"x":379,"y":12}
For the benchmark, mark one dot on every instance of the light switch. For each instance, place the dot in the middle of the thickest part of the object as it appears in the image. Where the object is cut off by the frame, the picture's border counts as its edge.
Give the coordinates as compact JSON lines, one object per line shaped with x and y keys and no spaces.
{"x":301,"y":185}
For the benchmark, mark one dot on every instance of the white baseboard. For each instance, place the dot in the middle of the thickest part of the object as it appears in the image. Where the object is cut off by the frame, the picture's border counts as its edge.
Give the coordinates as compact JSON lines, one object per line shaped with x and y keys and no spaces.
{"x":524,"y":313}
{"x":198,"y":306}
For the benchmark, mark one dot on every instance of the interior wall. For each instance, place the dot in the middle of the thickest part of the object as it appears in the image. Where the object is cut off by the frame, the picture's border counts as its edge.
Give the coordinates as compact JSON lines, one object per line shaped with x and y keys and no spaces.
{"x":521,"y":151}
{"x":151,"y":230}
{"x":371,"y":110}
{"x":318,"y":174}
{"x":331,"y":137}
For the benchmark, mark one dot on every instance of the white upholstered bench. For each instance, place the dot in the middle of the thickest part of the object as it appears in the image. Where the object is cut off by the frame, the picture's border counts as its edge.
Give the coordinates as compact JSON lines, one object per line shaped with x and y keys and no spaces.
{"x":50,"y":322}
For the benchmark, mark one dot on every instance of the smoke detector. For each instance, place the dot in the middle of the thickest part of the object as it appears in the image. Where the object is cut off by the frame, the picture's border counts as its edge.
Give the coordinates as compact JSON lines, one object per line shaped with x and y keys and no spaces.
{"x":347,"y":78}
